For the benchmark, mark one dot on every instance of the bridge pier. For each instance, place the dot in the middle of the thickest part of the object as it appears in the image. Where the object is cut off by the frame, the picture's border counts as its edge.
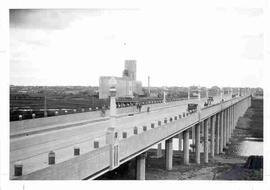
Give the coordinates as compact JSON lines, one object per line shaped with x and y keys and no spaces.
{"x":202,"y":128}
{"x":213,"y":122}
{"x":206,"y":123}
{"x":224,"y":130}
{"x":230,"y":133}
{"x":159,"y":151}
{"x":221,"y":132}
{"x":140,"y":166}
{"x":180,"y":144}
{"x":186,"y":146}
{"x":193,"y":137}
{"x":225,"y":127}
{"x":197,"y":143}
{"x":217,"y":132}
{"x":169,"y":153}
{"x":228,"y":127}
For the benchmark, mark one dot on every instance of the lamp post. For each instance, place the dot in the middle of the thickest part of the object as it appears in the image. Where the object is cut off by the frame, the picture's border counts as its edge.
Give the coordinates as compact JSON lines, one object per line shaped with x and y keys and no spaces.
{"x":45,"y":103}
{"x":188,"y":93}
{"x":199,"y":98}
{"x":221,"y":93}
{"x":164,"y":94}
{"x":112,"y":83}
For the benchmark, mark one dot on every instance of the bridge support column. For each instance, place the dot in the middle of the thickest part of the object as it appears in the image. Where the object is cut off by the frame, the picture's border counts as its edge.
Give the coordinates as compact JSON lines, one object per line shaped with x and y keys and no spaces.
{"x":233,"y":119}
{"x":197,"y":143}
{"x":202,"y":128}
{"x":140,"y":166}
{"x":193,"y":137}
{"x":221,"y":133}
{"x":202,"y":131}
{"x":224,"y":130}
{"x":159,"y":151}
{"x":206,"y":123}
{"x":180,"y":144}
{"x":230,"y":134}
{"x":169,"y":154}
{"x":213,"y":123}
{"x":217,"y":132}
{"x":228,"y":126}
{"x":186,"y":146}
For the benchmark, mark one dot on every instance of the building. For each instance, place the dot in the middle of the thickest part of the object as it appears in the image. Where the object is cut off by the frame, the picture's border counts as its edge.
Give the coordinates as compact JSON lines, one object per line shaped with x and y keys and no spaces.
{"x":126,"y":86}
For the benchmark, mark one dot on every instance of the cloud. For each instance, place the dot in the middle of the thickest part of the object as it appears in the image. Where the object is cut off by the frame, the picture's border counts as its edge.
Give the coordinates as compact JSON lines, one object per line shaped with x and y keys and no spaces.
{"x":46,"y":18}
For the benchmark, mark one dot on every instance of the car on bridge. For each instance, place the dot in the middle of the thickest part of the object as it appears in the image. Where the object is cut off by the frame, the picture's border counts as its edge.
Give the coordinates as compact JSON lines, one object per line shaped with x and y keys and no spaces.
{"x":192,"y":108}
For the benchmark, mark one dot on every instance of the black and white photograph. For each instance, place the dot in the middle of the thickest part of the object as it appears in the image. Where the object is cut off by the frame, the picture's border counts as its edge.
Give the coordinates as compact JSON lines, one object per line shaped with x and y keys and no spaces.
{"x":166,"y":92}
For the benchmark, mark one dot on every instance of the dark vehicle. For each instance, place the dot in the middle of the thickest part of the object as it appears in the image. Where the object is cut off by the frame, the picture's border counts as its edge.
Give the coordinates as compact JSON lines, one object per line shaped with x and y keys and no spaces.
{"x":209,"y":100}
{"x":234,"y":95}
{"x":192,"y":108}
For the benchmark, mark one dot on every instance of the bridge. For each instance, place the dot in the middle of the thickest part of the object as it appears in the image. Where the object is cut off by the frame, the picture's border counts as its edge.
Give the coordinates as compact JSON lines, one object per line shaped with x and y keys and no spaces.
{"x":87,"y":145}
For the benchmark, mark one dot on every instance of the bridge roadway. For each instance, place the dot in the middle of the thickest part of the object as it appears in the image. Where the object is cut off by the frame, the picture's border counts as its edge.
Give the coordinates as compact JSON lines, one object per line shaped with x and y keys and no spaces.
{"x":32,"y":150}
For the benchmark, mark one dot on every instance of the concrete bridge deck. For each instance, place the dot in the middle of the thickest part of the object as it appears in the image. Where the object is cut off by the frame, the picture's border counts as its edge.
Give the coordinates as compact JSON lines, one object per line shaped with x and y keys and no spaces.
{"x":32,"y":150}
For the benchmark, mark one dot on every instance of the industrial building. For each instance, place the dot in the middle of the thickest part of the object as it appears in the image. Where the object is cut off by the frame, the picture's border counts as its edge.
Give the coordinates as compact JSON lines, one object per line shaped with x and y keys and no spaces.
{"x":127,"y":85}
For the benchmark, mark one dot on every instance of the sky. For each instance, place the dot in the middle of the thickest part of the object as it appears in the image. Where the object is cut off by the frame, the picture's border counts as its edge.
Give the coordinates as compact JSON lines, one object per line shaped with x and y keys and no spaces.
{"x":189,"y":43}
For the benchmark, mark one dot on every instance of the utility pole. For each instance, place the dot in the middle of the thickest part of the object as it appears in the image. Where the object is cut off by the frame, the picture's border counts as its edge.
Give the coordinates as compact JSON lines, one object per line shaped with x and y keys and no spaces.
{"x":45,"y":102}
